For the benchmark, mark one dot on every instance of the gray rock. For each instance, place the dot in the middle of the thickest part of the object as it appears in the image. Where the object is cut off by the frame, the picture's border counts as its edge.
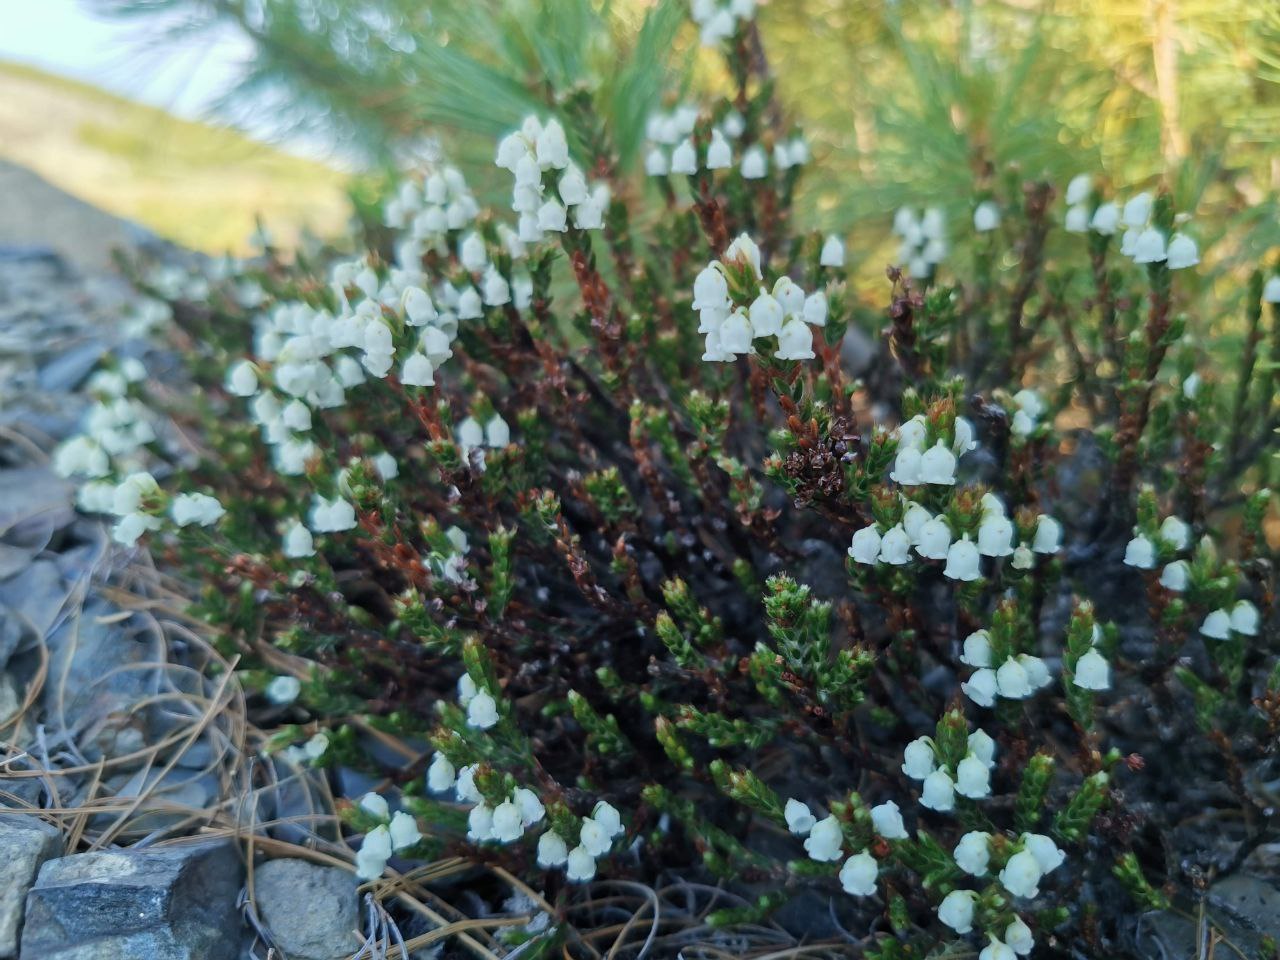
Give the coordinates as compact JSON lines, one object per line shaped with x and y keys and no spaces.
{"x":25,"y":843}
{"x":1254,"y":902}
{"x":309,"y":910}
{"x":36,"y":595}
{"x":68,"y":370}
{"x":168,"y":903}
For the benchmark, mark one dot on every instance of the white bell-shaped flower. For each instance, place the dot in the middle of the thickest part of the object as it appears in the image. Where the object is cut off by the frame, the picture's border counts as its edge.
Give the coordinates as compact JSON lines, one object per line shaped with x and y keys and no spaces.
{"x":995,"y":537}
{"x":1017,"y":935}
{"x":789,"y":295}
{"x":572,"y":186}
{"x":755,"y":165}
{"x":886,"y":818}
{"x":1012,"y":681}
{"x":766,"y":315}
{"x":1106,"y":219}
{"x":795,"y":340}
{"x":743,"y":250}
{"x":403,"y":830}
{"x":417,"y":371}
{"x":552,"y":217}
{"x":1140,"y":552}
{"x":710,"y":288}
{"x":1048,"y":537}
{"x":580,"y":866}
{"x":1149,"y":247}
{"x":977,"y":649}
{"x":1048,"y":857}
{"x":973,"y":853}
{"x":1271,"y":290}
{"x":553,"y":147}
{"x":917,"y":759}
{"x":935,"y":540}
{"x":825,"y":840}
{"x":996,"y":950}
{"x":913,"y":433}
{"x":956,"y":910}
{"x":1077,"y":219}
{"x":1137,"y":210}
{"x":719,"y":153}
{"x":1175,"y":576}
{"x":1078,"y":189}
{"x":656,"y":165}
{"x":552,"y":850}
{"x":963,"y":561}
{"x":983,"y":747}
{"x":913,"y":520}
{"x":197,"y":508}
{"x":482,"y":711}
{"x":298,"y":542}
{"x":814,"y":310}
{"x":798,"y":816}
{"x":242,"y":379}
{"x":713,"y":350}
{"x":982,"y":687}
{"x":1092,"y":671}
{"x":374,"y":852}
{"x":1182,"y":252}
{"x":986,"y":217}
{"x":973,"y":778}
{"x":938,"y":792}
{"x":1021,"y":875}
{"x":938,"y":465}
{"x":1175,"y":532}
{"x":507,"y":823}
{"x":1217,"y":625}
{"x":858,"y":875}
{"x":1037,"y":671}
{"x":736,"y":333}
{"x":684,"y":158}
{"x":832,"y":254}
{"x":963,"y":439}
{"x":906,"y":467}
{"x":865,"y":546}
{"x":1245,"y":618}
{"x":440,"y":774}
{"x":895,"y":547}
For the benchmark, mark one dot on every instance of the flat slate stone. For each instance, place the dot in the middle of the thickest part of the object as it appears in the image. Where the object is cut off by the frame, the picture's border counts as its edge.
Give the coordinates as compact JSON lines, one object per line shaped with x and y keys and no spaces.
{"x":164,"y":903}
{"x":26,"y":842}
{"x":310,"y":910}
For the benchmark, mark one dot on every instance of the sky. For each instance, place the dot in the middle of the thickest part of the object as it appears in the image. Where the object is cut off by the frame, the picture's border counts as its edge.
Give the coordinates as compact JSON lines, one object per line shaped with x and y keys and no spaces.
{"x":124,"y":56}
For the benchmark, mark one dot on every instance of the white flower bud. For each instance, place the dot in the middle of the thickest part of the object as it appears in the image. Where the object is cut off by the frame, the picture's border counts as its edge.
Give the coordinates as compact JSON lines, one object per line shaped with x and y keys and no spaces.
{"x":298,"y":542}
{"x":375,"y":805}
{"x":995,"y":537}
{"x":1037,"y":672}
{"x":719,"y":153}
{"x":983,"y":747}
{"x":1106,"y":219}
{"x":242,"y":379}
{"x":996,"y":950}
{"x":795,"y":341}
{"x":507,"y":823}
{"x":553,"y":148}
{"x":1077,"y":219}
{"x":371,"y":859}
{"x":684,"y":158}
{"x":766,"y":315}
{"x":283,"y":690}
{"x":913,"y":520}
{"x":1018,"y":937}
{"x":1137,"y":210}
{"x":1078,"y":189}
{"x":480,"y":823}
{"x":1175,"y":532}
{"x":814,"y":310}
{"x":417,"y":371}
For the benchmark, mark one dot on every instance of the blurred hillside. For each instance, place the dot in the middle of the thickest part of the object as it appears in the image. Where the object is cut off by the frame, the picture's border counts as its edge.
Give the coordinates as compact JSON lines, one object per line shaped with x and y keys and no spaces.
{"x":198,"y":185}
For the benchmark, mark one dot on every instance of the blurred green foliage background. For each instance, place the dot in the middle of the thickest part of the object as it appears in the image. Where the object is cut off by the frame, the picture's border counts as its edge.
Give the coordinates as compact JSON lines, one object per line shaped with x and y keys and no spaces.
{"x":920,"y":101}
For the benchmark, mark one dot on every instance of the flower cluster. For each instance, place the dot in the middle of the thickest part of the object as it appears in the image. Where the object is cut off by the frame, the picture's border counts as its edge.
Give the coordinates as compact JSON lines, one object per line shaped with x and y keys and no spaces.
{"x":548,"y":185}
{"x":922,"y":238}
